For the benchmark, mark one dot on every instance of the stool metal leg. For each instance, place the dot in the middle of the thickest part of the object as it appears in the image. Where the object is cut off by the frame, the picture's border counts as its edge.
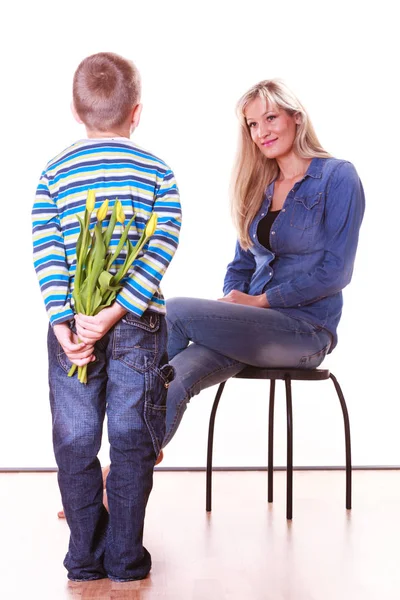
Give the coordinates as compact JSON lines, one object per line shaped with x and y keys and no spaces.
{"x":210,"y":445}
{"x":289,"y":472}
{"x":271,"y":441}
{"x":347,"y":439}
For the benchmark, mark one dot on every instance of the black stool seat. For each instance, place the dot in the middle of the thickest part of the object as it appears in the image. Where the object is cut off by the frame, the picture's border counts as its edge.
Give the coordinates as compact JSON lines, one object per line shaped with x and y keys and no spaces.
{"x":294,"y":374}
{"x":287,"y":375}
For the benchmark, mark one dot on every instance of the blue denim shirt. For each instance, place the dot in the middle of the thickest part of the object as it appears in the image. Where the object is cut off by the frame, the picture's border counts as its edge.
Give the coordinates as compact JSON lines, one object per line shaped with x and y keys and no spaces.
{"x":313,"y":241}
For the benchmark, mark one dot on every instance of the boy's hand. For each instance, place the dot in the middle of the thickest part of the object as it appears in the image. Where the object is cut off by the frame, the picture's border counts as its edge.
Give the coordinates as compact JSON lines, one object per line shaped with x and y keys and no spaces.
{"x":78,"y":353}
{"x":91,"y":329}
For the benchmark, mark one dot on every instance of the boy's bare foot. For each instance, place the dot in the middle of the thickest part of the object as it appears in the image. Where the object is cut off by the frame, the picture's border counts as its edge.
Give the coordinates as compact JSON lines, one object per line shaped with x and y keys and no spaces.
{"x":105,"y":472}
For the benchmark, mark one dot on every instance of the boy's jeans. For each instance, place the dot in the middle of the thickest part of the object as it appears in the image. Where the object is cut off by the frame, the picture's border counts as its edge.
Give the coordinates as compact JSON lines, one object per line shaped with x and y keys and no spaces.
{"x":128,"y":383}
{"x":226,"y":337}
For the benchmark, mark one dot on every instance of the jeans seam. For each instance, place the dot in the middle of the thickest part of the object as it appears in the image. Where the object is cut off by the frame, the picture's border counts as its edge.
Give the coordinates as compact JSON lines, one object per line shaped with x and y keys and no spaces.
{"x":188,"y":321}
{"x":150,"y":376}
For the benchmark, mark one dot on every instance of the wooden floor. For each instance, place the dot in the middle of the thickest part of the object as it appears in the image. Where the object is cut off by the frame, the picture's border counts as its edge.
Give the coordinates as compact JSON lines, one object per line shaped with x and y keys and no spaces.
{"x":244,"y":550}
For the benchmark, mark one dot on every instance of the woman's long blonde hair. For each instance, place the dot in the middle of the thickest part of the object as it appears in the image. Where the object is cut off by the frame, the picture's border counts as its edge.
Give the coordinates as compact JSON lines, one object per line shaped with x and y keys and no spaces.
{"x":253,"y":172}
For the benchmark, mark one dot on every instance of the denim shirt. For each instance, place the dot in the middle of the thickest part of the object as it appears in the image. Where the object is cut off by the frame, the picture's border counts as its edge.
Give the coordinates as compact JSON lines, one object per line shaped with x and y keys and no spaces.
{"x":313,"y":241}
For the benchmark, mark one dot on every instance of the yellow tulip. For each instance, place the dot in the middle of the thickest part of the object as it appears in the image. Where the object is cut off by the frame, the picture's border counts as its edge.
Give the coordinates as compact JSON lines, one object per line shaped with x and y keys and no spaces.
{"x":120,"y":213}
{"x":90,"y":201}
{"x":151,"y":225}
{"x":102,"y":211}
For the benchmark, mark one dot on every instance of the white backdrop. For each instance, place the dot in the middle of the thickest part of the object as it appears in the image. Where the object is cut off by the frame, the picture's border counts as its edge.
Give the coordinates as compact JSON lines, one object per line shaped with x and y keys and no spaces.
{"x":196,"y":60}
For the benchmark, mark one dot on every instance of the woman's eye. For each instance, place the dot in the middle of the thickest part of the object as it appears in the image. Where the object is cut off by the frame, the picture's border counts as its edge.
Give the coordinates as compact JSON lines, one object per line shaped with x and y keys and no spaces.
{"x":252,"y":124}
{"x":271,"y":117}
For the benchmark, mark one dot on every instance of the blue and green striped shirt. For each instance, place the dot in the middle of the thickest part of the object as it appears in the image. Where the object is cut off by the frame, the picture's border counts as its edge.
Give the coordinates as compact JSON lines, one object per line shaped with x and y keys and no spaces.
{"x":115,"y":169}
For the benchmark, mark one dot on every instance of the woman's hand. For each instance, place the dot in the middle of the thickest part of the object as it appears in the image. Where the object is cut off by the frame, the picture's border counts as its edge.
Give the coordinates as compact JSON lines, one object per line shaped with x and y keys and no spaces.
{"x":78,"y":352}
{"x":91,"y":329}
{"x":241,"y":298}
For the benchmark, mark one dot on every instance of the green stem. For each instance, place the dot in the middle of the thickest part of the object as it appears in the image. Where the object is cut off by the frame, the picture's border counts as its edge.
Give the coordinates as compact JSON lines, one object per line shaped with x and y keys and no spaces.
{"x":72,"y":371}
{"x":82,"y":371}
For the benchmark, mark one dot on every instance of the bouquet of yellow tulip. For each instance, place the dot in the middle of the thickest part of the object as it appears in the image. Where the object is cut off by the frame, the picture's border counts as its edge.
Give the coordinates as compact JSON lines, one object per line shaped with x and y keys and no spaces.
{"x":95,"y":287}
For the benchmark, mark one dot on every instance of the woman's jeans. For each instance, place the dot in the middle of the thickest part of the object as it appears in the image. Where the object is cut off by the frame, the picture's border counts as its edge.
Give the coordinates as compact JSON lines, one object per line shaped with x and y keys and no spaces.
{"x":128,"y":383}
{"x":226,"y":337}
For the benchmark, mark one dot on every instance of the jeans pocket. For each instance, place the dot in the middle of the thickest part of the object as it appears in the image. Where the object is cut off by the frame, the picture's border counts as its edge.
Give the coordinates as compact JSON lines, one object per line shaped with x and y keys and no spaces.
{"x":136,"y":340}
{"x":155,"y":406}
{"x":63,"y":359}
{"x":313,"y":361}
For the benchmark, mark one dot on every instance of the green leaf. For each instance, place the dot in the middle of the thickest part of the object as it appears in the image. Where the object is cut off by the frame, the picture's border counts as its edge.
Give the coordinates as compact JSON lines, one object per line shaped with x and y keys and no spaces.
{"x":98,"y":266}
{"x":120,"y":273}
{"x":105,"y":305}
{"x":104,"y":281}
{"x":80,"y":237}
{"x":132,"y":254}
{"x":90,"y":256}
{"x":107,"y":235}
{"x":121,"y":243}
{"x":83,"y":296}
{"x":96,"y":300}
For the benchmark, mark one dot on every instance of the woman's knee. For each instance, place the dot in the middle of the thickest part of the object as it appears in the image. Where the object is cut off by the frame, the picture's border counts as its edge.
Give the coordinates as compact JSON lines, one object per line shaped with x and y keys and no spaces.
{"x":177,"y":307}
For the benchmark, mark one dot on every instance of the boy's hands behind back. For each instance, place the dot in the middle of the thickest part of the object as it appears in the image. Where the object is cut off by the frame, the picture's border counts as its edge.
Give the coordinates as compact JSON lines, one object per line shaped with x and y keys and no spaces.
{"x":91,"y":329}
{"x":78,"y":353}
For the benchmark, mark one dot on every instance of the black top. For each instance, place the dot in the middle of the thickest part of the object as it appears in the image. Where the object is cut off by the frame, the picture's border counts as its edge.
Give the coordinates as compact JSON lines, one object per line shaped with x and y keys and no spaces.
{"x":264,"y":228}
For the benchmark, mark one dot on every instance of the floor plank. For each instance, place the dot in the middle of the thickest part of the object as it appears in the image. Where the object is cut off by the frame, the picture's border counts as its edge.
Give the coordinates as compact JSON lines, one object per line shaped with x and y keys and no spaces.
{"x":244,"y":550}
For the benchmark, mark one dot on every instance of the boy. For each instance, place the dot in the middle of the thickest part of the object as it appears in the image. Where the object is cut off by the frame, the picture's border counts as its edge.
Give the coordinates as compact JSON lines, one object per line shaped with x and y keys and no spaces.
{"x":125,"y":344}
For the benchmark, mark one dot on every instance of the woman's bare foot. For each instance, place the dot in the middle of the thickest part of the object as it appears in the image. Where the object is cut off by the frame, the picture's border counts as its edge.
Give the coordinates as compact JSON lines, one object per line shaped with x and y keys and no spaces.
{"x":105,"y":472}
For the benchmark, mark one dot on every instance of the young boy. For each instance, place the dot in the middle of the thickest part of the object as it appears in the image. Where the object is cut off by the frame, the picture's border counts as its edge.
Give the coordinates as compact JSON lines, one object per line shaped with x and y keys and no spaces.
{"x":125,"y":344}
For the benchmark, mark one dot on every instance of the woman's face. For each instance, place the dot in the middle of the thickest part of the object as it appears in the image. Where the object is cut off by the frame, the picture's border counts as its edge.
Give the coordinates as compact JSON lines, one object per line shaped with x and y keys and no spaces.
{"x":272,"y":129}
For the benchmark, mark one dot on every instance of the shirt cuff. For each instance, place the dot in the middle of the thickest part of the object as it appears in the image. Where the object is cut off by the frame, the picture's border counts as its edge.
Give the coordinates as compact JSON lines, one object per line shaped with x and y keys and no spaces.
{"x":62,"y":317}
{"x":275,"y":298}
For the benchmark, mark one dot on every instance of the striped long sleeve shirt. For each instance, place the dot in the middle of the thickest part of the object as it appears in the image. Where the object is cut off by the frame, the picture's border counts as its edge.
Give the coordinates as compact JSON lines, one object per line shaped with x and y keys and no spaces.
{"x":114,"y":169}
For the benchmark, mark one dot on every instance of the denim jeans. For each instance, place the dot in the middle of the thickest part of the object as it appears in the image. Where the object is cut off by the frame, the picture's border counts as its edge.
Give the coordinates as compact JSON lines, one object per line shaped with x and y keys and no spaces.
{"x":225,"y":338}
{"x":128,"y":383}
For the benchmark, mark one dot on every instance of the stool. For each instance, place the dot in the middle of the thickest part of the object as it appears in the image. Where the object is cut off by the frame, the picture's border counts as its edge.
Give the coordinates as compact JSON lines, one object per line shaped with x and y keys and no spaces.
{"x":287,"y":375}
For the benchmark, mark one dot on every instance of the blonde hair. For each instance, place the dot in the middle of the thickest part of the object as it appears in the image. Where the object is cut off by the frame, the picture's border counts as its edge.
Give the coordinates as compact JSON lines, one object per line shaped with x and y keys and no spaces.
{"x":253,"y":172}
{"x":106,"y":87}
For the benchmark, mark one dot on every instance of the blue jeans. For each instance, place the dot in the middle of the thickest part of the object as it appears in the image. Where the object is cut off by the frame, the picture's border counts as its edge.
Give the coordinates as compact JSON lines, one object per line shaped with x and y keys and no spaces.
{"x":128,"y":383}
{"x":225,"y":338}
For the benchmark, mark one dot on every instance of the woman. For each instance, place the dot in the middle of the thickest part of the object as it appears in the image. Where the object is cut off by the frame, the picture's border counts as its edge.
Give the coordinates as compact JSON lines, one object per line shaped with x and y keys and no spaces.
{"x":298,"y":213}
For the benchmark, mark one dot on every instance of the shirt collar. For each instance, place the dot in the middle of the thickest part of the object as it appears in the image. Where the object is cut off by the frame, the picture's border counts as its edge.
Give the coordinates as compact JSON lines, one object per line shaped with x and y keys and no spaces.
{"x":315,"y":168}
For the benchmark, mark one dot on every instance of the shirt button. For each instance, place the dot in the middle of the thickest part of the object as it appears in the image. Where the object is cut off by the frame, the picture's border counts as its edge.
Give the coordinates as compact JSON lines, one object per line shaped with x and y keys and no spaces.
{"x":299,"y":305}
{"x":270,"y":273}
{"x":263,"y":214}
{"x":283,"y":209}
{"x":254,"y":235}
{"x":272,"y":232}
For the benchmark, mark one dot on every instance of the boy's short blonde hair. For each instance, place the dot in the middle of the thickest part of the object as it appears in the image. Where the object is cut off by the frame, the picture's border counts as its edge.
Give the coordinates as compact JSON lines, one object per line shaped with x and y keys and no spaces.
{"x":106,"y":87}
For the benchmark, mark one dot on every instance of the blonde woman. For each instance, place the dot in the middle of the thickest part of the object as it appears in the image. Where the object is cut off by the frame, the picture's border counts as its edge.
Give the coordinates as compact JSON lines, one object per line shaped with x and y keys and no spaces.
{"x":297,"y":212}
